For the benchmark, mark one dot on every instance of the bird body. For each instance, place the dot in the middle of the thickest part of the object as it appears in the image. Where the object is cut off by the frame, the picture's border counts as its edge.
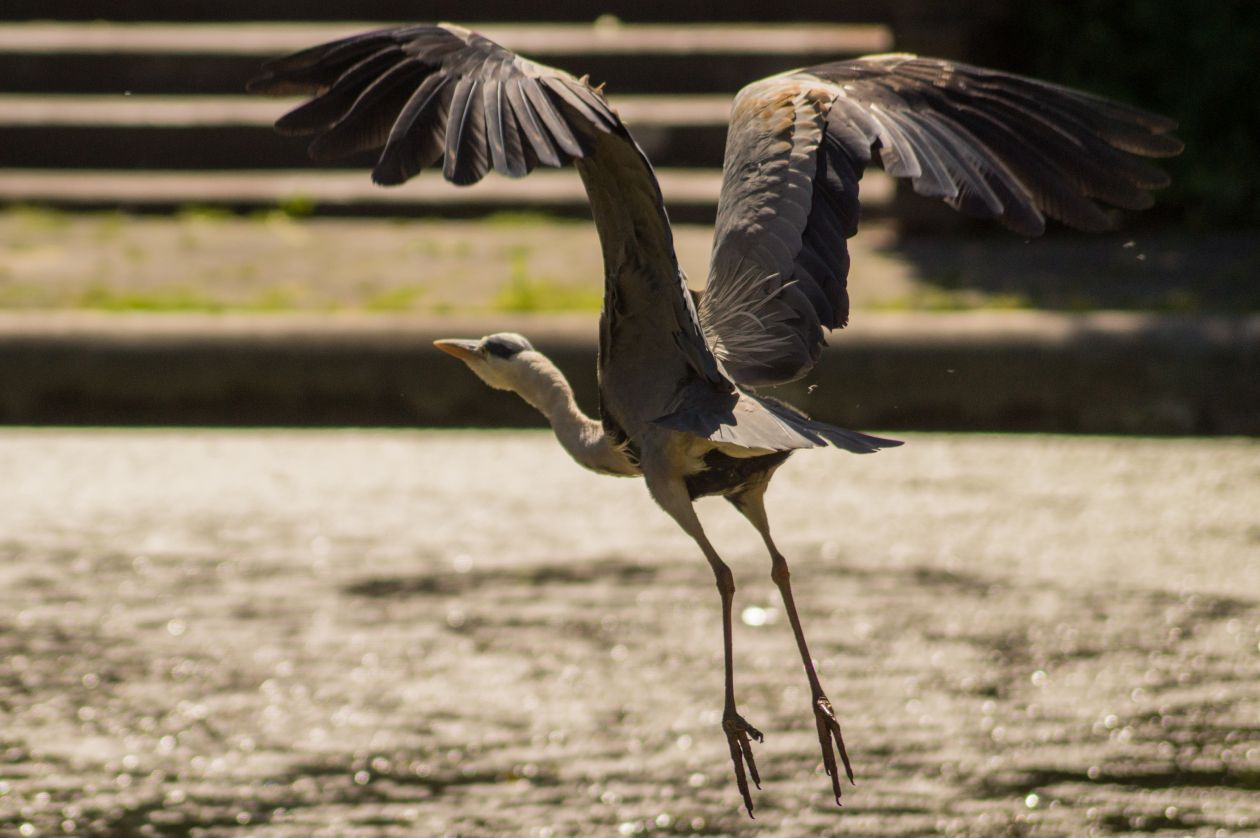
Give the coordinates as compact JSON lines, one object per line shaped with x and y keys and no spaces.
{"x":677,"y":378}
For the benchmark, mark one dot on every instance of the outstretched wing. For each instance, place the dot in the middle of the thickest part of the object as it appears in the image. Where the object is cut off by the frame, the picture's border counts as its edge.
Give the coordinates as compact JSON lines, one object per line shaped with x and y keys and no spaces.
{"x":429,"y":94}
{"x":440,"y":93}
{"x":991,"y":144}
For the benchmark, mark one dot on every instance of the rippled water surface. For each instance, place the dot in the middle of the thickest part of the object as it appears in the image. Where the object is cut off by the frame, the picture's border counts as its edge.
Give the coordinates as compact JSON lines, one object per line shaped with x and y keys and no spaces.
{"x":390,"y":633}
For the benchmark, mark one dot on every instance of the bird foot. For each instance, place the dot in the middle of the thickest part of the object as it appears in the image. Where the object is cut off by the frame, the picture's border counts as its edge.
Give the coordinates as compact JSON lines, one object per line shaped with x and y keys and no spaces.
{"x":828,"y":730}
{"x":738,"y":732}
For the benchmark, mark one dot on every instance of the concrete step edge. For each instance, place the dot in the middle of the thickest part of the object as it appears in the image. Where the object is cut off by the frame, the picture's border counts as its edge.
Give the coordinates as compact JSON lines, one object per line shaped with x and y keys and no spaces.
{"x":268,"y":187}
{"x":532,"y":39}
{"x":1026,"y":371}
{"x":1043,"y":328}
{"x":174,"y":111}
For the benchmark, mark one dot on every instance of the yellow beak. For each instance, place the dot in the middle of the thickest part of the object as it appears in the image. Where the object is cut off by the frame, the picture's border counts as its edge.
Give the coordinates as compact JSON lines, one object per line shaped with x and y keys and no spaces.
{"x":464,"y":350}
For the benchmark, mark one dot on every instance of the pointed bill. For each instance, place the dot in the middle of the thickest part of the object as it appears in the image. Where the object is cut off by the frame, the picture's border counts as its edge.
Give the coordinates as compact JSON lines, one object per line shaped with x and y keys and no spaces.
{"x":465,"y":350}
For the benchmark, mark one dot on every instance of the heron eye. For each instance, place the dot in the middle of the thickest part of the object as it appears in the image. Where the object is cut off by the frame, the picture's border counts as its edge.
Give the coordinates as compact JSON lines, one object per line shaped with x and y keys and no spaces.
{"x":502,"y":348}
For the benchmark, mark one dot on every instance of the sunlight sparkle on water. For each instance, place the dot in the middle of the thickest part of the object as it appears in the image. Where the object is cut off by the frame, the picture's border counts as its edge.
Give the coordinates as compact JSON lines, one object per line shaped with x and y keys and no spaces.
{"x":755,"y":615}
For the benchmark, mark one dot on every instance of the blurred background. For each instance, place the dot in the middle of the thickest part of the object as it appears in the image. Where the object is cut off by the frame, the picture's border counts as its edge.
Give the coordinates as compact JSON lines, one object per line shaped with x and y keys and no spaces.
{"x":289,"y":589}
{"x":138,"y":179}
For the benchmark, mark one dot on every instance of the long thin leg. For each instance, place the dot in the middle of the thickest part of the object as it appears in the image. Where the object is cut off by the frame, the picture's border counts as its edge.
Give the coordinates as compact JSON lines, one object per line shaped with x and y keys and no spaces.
{"x":751,"y":504}
{"x":674,"y":499}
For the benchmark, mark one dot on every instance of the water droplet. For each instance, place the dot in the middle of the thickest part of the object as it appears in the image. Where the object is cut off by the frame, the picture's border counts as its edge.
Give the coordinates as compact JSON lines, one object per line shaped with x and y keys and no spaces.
{"x":176,"y":628}
{"x":362,"y":778}
{"x":1039,"y":678}
{"x":27,"y":829}
{"x":697,"y":780}
{"x":1032,"y":801}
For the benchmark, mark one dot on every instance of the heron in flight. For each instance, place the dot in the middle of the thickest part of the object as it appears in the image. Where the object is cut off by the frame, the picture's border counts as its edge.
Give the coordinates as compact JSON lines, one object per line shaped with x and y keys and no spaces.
{"x":679,"y":372}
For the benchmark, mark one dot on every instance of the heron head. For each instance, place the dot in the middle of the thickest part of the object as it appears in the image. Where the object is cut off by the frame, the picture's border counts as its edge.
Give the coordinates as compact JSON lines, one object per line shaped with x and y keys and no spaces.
{"x":496,"y":359}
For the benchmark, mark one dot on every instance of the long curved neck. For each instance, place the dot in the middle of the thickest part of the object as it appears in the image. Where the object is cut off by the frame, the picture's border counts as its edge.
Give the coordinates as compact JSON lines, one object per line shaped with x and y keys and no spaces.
{"x":546,"y":388}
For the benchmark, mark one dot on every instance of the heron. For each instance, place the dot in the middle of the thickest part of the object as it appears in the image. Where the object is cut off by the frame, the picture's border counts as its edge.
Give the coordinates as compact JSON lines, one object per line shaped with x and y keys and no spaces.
{"x":681,"y":372}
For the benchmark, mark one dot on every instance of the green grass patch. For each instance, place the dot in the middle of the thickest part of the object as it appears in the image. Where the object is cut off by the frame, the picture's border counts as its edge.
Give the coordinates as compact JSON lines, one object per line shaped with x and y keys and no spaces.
{"x":180,"y":298}
{"x":297,"y":206}
{"x":521,"y":218}
{"x":35,"y":218}
{"x":172,"y":298}
{"x":20,"y":296}
{"x":939,"y":300}
{"x":274,"y":299}
{"x":525,"y":292}
{"x":109,"y":225}
{"x":399,"y":298}
{"x":196,"y":212}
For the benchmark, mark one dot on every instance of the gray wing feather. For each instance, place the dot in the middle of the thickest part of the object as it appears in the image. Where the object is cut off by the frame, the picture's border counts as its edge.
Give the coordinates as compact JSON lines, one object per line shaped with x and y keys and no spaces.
{"x":467,"y":149}
{"x":990,"y":144}
{"x":410,"y":89}
{"x":503,"y":132}
{"x":538,"y":141}
{"x":411,"y":145}
{"x":367,"y":123}
{"x":424,"y":94}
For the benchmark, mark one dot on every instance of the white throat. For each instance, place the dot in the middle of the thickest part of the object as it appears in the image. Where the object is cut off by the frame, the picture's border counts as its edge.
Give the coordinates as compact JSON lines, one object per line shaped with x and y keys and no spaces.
{"x":541,"y":384}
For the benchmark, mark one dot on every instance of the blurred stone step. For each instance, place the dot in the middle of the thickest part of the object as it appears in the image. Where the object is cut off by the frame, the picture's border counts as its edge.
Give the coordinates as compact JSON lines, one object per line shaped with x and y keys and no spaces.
{"x":181,"y":111}
{"x":220,"y":58}
{"x":973,"y":371}
{"x":269,"y":38}
{"x":234,"y":132}
{"x":690,"y":194}
{"x":454,"y":10}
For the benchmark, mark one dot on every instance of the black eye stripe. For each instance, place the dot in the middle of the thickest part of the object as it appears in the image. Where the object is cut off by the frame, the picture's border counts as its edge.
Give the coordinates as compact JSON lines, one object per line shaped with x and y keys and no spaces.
{"x":500,"y":349}
{"x":505,"y":345}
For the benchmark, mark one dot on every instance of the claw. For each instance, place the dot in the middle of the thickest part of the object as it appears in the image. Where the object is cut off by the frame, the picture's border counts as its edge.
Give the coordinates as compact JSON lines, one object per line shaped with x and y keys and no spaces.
{"x":829,"y":729}
{"x":737,"y":733}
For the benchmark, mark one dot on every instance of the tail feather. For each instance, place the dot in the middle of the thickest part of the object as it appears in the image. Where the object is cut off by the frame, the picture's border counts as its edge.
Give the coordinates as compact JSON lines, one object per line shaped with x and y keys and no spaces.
{"x":858,"y":443}
{"x":764,"y":423}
